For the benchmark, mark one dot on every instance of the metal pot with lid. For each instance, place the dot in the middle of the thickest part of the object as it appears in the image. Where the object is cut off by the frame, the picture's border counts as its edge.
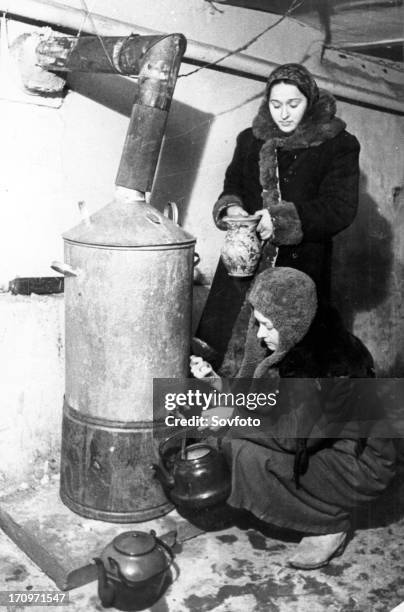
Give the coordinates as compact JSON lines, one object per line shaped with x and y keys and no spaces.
{"x":133,"y":570}
{"x":194,"y":478}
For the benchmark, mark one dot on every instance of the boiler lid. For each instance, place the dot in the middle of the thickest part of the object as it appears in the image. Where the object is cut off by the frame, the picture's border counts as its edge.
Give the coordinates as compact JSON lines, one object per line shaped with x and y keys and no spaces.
{"x":126,"y":222}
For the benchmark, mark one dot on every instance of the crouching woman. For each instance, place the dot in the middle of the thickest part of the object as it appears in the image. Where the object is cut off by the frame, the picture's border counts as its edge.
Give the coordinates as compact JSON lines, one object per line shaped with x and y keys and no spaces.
{"x":311,"y":462}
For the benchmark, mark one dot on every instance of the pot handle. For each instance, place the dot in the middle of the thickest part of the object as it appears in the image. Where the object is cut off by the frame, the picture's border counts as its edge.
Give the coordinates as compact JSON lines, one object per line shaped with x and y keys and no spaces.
{"x":64,"y":268}
{"x":168,"y":550}
{"x":171,"y":212}
{"x":164,"y":545}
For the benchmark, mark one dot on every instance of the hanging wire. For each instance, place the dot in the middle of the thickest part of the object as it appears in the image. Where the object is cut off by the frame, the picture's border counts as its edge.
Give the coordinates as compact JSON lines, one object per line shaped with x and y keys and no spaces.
{"x":213,"y":6}
{"x":88,"y":14}
{"x":90,"y":17}
{"x":83,"y":23}
{"x":293,"y":6}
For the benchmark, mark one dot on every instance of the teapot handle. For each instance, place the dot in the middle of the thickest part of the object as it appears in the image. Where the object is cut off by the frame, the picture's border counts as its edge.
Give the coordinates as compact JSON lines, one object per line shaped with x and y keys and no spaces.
{"x":168,"y":550}
{"x":164,"y":545}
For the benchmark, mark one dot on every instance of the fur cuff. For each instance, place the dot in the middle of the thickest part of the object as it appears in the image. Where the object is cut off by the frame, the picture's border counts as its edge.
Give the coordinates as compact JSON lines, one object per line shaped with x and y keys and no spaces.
{"x":287,"y":225}
{"x":219,"y":209}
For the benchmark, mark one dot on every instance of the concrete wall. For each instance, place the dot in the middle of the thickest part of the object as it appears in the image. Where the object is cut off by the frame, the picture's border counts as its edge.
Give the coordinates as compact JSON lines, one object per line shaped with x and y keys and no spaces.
{"x":31,"y":386}
{"x":369,"y":256}
{"x":51,"y":158}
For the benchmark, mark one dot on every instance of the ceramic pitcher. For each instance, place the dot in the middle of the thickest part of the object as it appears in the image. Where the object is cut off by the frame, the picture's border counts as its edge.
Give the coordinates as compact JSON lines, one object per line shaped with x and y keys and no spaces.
{"x":241,"y":251}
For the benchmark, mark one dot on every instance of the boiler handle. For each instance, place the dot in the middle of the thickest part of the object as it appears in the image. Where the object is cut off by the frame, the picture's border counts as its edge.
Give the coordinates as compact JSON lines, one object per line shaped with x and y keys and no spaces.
{"x":171,"y":212}
{"x":64,"y":268}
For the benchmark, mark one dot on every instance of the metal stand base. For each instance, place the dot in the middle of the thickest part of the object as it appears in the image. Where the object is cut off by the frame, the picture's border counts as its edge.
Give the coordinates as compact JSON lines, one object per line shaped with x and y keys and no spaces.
{"x":106,"y":471}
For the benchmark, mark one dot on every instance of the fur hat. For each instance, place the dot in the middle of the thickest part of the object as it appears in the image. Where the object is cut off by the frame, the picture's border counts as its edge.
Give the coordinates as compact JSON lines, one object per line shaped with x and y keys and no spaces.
{"x":288,"y":298}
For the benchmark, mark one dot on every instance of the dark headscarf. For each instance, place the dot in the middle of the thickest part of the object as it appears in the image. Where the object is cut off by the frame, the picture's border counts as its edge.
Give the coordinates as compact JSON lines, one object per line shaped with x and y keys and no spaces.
{"x":297,"y":75}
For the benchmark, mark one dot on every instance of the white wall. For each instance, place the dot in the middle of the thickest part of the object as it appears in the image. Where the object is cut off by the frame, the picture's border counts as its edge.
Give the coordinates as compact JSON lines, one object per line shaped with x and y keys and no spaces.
{"x":369,"y":256}
{"x":31,"y":386}
{"x":50,"y":159}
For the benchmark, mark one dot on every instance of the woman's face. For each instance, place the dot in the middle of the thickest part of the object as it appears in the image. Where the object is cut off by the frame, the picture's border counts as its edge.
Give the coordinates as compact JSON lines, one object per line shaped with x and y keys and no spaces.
{"x":266,"y":331}
{"x":287,"y":106}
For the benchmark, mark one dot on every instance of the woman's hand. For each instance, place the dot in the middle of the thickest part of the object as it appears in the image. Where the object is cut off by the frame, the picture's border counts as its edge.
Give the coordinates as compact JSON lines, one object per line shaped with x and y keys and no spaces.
{"x":265,"y":227}
{"x":203,"y":370}
{"x":235,"y":210}
{"x":221,"y":412}
{"x":200,"y":368}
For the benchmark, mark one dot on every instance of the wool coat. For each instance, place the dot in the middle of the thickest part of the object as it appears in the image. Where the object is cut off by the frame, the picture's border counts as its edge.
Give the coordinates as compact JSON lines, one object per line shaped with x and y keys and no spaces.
{"x":318,"y":184}
{"x":308,"y":467}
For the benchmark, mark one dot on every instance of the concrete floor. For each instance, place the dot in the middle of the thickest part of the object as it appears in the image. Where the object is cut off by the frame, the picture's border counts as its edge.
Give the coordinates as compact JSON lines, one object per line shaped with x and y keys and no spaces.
{"x":243,"y":569}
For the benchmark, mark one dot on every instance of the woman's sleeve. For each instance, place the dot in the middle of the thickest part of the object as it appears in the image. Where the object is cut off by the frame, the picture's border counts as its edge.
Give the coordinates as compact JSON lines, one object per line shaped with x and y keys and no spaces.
{"x":337,"y":407}
{"x":320,"y":408}
{"x":233,"y":185}
{"x":334,"y":208}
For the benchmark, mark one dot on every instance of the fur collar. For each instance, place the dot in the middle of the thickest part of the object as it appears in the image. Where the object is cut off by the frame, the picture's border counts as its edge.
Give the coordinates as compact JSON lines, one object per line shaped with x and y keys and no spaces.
{"x":318,"y":125}
{"x":327,"y":350}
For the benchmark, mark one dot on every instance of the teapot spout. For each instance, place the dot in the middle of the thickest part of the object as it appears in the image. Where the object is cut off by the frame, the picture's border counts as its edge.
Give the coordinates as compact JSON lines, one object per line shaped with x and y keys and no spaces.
{"x":165,"y":478}
{"x":106,"y":590}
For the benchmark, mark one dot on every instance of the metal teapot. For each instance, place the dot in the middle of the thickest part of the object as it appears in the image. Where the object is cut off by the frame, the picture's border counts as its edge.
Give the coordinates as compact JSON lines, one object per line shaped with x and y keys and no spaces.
{"x":195,"y":477}
{"x":133,"y":570}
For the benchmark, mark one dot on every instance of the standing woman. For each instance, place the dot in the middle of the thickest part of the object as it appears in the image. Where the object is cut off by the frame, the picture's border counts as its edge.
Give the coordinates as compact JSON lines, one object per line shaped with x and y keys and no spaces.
{"x":298,"y":167}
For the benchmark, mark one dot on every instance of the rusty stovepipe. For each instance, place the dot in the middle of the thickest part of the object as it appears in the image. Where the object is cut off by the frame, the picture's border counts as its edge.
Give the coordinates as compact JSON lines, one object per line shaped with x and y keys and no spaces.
{"x":156,"y":61}
{"x":157,"y":78}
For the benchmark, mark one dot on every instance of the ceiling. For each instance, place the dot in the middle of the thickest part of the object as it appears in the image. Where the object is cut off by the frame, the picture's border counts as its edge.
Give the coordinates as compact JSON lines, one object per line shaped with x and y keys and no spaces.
{"x":370,"y":27}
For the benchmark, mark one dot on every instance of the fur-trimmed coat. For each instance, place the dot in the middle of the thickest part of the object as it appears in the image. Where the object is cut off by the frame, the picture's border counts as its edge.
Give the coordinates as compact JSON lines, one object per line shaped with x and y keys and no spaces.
{"x":317,"y":198}
{"x":328,"y":352}
{"x":319,"y":188}
{"x":309,"y":453}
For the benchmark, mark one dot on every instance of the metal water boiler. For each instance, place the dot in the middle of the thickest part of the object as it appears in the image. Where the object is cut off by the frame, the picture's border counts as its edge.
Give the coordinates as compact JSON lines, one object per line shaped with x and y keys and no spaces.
{"x":128,"y":290}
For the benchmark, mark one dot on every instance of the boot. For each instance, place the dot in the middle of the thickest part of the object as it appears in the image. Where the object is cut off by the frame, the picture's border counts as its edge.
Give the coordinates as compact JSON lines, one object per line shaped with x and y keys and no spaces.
{"x":315,"y":551}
